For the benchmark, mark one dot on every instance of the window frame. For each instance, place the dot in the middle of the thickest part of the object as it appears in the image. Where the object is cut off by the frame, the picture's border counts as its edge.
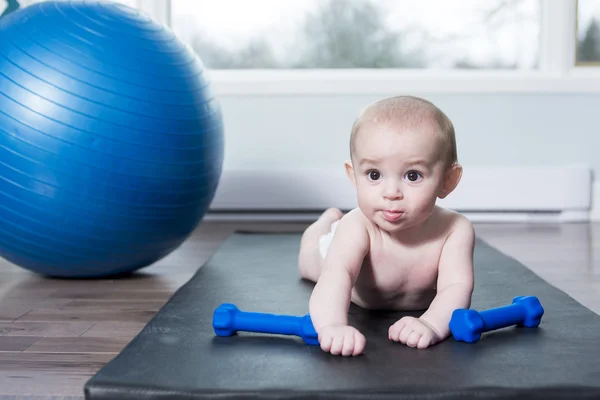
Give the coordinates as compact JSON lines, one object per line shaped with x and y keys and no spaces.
{"x":558,"y":70}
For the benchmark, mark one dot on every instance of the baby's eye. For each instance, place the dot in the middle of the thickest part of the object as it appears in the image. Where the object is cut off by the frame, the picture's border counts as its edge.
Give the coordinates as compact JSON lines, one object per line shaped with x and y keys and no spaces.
{"x":413,"y":176}
{"x":373,"y":175}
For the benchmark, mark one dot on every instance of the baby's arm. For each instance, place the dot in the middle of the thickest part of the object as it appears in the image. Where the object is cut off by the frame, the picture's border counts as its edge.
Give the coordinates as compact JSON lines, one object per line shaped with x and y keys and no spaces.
{"x":454,"y":290}
{"x":455,"y":278}
{"x":330,"y":299}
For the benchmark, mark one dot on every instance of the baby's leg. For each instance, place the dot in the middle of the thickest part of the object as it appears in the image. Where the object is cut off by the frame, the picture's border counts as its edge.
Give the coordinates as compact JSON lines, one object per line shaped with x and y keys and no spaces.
{"x":309,"y":259}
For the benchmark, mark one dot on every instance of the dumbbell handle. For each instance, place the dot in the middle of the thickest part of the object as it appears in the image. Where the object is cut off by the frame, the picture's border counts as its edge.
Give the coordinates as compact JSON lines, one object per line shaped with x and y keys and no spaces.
{"x":500,"y":317}
{"x":268,"y":323}
{"x":228,"y":320}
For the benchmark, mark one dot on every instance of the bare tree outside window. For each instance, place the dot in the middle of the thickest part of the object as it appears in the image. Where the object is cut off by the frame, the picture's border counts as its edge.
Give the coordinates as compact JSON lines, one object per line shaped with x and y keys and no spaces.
{"x":588,"y":32}
{"x":351,"y":34}
{"x":300,"y":34}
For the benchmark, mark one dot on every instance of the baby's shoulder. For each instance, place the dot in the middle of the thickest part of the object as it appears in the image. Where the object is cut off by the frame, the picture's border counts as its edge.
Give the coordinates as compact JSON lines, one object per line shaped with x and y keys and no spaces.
{"x":451,"y":218}
{"x":357,"y":221}
{"x":352,"y":228}
{"x":453,"y":223}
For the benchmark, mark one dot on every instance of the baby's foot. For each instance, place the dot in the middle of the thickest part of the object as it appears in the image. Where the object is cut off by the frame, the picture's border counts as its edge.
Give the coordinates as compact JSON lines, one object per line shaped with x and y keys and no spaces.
{"x":331,"y":215}
{"x":309,"y":259}
{"x":322,"y":226}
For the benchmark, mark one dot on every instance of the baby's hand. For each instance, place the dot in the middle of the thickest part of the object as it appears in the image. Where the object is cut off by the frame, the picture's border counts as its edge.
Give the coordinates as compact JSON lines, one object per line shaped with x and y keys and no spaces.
{"x":341,"y":339}
{"x":413,"y":332}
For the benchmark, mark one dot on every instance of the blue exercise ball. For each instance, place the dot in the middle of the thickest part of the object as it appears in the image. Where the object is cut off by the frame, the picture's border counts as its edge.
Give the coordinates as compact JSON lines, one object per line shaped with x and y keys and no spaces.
{"x":111,"y":140}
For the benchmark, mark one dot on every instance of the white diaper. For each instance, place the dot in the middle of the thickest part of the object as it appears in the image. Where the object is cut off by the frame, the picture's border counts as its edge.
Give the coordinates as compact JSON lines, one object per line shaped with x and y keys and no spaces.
{"x":325,"y":240}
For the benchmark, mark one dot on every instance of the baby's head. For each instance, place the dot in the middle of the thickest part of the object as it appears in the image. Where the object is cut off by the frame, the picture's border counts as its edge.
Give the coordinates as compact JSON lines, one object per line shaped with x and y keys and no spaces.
{"x":403,"y":157}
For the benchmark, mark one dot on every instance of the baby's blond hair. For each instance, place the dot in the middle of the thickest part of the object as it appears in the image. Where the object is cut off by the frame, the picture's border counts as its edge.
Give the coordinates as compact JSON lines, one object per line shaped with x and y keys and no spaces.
{"x":409,"y":111}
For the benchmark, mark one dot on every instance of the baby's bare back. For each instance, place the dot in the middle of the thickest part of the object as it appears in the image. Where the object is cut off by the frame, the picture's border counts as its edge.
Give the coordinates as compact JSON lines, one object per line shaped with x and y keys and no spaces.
{"x":402,"y":274}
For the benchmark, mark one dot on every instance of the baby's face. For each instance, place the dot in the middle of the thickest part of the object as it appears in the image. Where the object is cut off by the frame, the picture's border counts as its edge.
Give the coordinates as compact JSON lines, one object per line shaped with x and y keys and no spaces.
{"x":398,"y":174}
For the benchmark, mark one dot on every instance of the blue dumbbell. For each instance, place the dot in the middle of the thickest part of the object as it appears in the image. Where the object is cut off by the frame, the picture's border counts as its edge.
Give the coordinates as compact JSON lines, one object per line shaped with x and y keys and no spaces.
{"x":467,"y":325}
{"x":228,"y":319}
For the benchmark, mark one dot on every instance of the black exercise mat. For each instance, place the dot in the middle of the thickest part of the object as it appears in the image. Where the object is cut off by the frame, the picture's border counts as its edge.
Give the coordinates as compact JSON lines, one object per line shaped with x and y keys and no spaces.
{"x":178,"y":356}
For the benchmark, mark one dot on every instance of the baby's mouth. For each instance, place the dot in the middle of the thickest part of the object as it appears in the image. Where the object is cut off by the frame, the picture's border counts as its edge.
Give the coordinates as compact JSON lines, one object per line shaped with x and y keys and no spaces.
{"x":392,"y":215}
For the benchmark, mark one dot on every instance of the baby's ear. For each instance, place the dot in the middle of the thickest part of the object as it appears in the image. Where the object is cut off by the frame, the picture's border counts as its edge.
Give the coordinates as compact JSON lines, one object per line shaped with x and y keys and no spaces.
{"x":350,"y":172}
{"x":451,"y":179}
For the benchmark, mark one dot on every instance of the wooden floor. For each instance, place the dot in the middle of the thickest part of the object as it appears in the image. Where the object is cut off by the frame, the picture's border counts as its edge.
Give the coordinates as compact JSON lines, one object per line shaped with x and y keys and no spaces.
{"x":55,"y":334}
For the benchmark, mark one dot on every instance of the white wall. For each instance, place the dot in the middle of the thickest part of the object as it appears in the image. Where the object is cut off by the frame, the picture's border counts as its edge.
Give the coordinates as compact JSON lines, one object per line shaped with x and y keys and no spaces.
{"x":308,"y":135}
{"x":492,"y":129}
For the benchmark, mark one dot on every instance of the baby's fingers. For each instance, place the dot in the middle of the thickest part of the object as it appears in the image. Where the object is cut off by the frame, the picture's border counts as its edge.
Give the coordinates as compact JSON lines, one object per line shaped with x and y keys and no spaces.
{"x":405,"y":333}
{"x":337,"y":345}
{"x":394,"y":331}
{"x":426,"y":340}
{"x":359,"y":343}
{"x":413,"y":338}
{"x":326,"y":341}
{"x":348,"y":345}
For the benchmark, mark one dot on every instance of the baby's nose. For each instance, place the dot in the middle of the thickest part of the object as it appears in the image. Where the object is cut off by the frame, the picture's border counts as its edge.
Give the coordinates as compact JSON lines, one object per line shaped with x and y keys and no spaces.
{"x":393,"y":192}
{"x":393,"y":196}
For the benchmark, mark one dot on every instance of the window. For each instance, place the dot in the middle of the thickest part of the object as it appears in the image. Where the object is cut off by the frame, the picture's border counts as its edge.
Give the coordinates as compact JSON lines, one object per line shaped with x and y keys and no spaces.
{"x":588,"y":32}
{"x":287,"y":47}
{"x":355,"y":34}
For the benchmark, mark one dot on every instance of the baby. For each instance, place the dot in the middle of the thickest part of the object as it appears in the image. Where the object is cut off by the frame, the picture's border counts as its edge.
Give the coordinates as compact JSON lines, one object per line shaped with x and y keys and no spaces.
{"x":397,"y":250}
